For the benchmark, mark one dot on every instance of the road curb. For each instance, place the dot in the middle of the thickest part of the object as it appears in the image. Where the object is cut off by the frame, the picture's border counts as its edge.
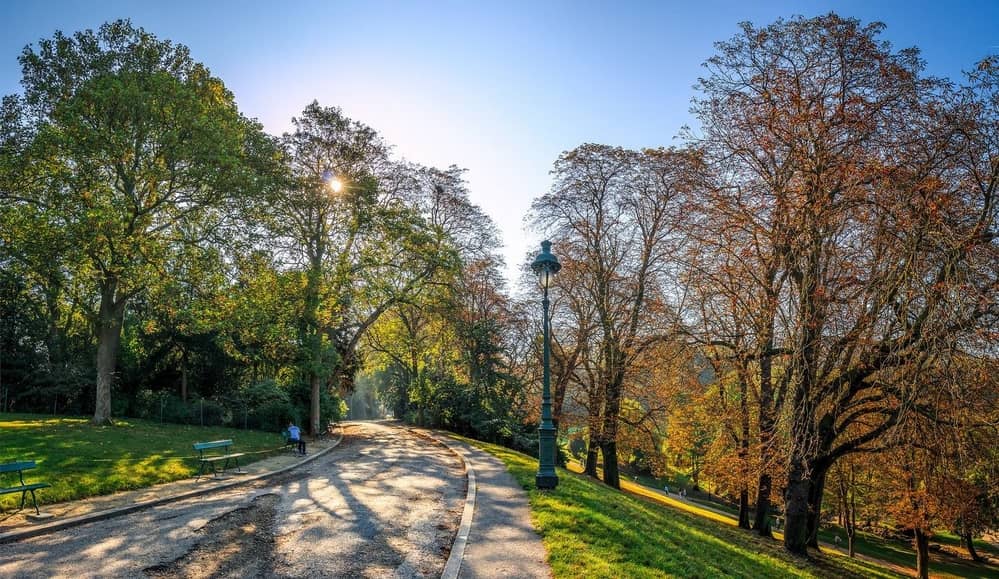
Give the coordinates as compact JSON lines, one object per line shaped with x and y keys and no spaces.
{"x":46,"y":528}
{"x":453,"y":564}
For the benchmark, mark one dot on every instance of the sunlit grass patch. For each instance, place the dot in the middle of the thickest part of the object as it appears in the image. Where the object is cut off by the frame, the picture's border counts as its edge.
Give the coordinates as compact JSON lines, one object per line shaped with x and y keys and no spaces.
{"x":80,"y":460}
{"x":591,"y":530}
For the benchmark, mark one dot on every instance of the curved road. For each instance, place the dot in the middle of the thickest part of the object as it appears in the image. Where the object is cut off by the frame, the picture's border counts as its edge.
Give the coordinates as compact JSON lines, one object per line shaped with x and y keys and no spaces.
{"x":384,"y":503}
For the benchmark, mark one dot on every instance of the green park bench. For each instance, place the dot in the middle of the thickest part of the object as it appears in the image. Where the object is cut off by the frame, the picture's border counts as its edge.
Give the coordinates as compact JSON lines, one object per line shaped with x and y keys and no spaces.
{"x":7,"y":471}
{"x":211,"y":453}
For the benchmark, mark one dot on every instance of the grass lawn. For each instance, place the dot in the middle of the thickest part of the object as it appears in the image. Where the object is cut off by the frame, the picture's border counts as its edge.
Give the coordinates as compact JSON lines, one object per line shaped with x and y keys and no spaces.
{"x":903,"y":554}
{"x":81,"y":460}
{"x":892,"y":551}
{"x":591,"y":530}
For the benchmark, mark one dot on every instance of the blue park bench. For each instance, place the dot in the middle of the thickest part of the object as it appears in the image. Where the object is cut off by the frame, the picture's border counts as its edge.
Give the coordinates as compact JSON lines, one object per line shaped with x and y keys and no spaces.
{"x":7,"y":470}
{"x":211,"y":453}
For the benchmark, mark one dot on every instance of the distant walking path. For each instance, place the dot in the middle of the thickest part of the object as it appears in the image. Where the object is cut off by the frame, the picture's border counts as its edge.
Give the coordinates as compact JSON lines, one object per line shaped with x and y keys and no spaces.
{"x":502,"y":541}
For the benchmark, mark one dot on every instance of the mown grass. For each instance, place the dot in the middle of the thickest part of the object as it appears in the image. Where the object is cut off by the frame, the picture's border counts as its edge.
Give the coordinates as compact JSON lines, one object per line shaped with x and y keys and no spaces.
{"x":902,"y":554}
{"x":591,"y":530}
{"x":892,"y":551}
{"x":80,"y":460}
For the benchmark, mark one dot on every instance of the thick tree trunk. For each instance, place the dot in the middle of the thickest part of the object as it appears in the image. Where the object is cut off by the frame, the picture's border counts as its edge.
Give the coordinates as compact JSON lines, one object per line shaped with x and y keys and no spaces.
{"x":612,"y":477}
{"x":796,"y":508}
{"x":311,"y":337}
{"x":766,"y":425}
{"x":922,"y":554}
{"x":815,"y":504}
{"x":110,"y":319}
{"x":744,"y":450}
{"x":608,"y":446}
{"x":315,"y":383}
{"x":762,"y":522}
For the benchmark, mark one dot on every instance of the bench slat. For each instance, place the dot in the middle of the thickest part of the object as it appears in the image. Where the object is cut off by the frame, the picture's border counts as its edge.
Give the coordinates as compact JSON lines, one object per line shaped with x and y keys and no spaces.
{"x":212,"y":444}
{"x":30,"y":487}
{"x":222,"y":457}
{"x":17,"y":466}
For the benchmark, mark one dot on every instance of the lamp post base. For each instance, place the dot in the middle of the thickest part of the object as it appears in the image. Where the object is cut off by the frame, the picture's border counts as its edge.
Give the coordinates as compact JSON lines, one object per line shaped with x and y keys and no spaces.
{"x":545,"y":481}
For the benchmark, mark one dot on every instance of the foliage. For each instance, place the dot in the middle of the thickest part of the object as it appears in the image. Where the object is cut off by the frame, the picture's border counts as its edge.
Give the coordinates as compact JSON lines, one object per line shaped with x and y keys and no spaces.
{"x":121,"y":151}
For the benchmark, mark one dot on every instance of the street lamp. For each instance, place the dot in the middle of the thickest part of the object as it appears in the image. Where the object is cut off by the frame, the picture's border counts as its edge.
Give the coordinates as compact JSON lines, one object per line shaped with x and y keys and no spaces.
{"x":545,"y":266}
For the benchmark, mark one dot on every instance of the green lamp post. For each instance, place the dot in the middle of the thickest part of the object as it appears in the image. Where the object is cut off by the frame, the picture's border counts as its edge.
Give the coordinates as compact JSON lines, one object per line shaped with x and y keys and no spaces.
{"x":545,"y":266}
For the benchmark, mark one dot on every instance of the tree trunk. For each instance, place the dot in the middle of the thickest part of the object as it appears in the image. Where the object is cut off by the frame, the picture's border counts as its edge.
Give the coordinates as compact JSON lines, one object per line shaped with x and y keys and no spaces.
{"x":744,"y":450}
{"x":608,"y":445}
{"x":744,"y":509}
{"x":592,"y":451}
{"x":969,"y":542}
{"x":815,"y":504}
{"x":762,"y":522}
{"x":315,"y":383}
{"x":612,"y":476}
{"x":183,"y":376}
{"x":110,"y":319}
{"x":593,"y":448}
{"x":796,"y":508}
{"x":922,"y":554}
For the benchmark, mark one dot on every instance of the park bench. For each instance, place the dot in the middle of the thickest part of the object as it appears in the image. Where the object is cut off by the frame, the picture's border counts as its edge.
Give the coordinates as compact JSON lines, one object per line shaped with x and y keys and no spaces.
{"x":7,"y":470}
{"x":211,"y":453}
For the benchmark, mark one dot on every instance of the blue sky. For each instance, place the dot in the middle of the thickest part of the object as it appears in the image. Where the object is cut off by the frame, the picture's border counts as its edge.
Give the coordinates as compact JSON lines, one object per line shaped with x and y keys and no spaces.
{"x":498,"y":87}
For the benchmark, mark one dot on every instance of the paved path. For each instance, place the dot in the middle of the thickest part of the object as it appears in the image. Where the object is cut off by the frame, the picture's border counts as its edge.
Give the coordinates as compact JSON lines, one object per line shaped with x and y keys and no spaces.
{"x":384,"y":503}
{"x":502,"y":541}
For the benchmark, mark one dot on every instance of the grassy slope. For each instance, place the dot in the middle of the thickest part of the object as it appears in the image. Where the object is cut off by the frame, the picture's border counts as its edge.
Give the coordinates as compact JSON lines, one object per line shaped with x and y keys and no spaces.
{"x":897,"y":553}
{"x":592,"y":530}
{"x":81,"y":460}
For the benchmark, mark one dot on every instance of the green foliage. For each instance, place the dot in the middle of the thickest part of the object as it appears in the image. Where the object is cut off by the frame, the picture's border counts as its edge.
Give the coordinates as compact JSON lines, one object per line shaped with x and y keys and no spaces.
{"x":122,"y":152}
{"x":271,"y":406}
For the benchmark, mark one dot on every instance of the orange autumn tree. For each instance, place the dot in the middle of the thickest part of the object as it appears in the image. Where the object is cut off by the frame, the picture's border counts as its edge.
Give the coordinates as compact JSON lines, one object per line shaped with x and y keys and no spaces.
{"x":870,"y":189}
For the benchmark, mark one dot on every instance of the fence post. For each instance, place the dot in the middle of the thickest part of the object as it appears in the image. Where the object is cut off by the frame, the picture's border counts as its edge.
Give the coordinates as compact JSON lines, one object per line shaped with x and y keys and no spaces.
{"x":202,"y":404}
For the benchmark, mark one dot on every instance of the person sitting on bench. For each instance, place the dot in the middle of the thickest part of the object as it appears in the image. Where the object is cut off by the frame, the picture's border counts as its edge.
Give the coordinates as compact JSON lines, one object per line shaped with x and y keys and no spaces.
{"x":295,"y":435}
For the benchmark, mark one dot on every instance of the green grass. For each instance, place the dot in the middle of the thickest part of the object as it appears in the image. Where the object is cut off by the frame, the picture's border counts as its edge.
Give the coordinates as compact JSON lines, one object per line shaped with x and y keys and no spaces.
{"x":952,"y":540}
{"x":901,"y":553}
{"x":591,"y":530}
{"x":81,"y":460}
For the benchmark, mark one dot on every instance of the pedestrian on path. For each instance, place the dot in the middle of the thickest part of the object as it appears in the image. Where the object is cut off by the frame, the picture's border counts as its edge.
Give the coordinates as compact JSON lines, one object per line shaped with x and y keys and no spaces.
{"x":295,"y":435}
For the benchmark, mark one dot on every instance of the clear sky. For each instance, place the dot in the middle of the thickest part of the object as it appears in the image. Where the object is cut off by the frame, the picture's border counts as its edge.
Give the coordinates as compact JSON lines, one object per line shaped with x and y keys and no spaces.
{"x":499,"y":87}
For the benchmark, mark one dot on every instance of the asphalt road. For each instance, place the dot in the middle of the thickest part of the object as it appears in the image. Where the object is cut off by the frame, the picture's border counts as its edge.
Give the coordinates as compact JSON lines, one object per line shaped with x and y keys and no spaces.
{"x":384,"y":503}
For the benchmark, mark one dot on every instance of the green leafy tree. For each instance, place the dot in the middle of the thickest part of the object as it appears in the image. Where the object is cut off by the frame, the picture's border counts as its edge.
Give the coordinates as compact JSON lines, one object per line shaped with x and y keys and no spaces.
{"x":142,"y":150}
{"x":349,"y":224}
